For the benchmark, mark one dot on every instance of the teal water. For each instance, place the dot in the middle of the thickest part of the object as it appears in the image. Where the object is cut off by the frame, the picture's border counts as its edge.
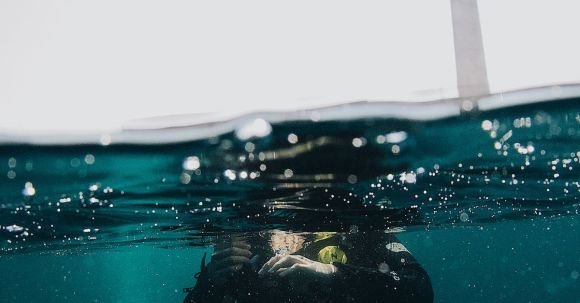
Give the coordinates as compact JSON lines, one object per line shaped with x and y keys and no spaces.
{"x":487,"y":201}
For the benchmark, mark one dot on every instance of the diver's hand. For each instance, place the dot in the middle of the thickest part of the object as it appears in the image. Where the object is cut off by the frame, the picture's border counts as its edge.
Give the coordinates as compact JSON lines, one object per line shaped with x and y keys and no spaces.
{"x":294,"y":266}
{"x":227,"y":261}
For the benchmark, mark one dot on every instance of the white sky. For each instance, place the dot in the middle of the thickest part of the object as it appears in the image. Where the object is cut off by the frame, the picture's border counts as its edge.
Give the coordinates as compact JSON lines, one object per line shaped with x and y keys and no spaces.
{"x":88,"y":65}
{"x":530,"y":42}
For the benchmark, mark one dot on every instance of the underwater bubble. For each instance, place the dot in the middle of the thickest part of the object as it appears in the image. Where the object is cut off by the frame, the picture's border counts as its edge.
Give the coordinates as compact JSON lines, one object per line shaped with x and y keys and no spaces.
{"x":353,"y":229}
{"x":408,"y":177}
{"x":292,"y":138}
{"x":250,"y":147}
{"x":89,"y":159}
{"x":380,"y":139}
{"x":522,"y":122}
{"x":14,"y":228}
{"x":463,"y":217}
{"x":11,"y":174}
{"x":384,"y":268}
{"x":288,"y":173}
{"x":105,"y":139}
{"x":64,"y":200}
{"x":257,"y":128}
{"x":28,"y":190}
{"x":185,"y":178}
{"x":352,"y":179}
{"x":396,"y":137}
{"x":75,"y":162}
{"x":486,"y":125}
{"x":230,"y":174}
{"x":506,"y":136}
{"x":531,"y":149}
{"x":262,"y":156}
{"x":12,"y":162}
{"x":395,"y":149}
{"x":191,"y":163}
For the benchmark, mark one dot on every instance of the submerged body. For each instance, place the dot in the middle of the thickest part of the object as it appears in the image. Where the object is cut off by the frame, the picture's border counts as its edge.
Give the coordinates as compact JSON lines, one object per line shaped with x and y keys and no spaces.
{"x":326,"y":267}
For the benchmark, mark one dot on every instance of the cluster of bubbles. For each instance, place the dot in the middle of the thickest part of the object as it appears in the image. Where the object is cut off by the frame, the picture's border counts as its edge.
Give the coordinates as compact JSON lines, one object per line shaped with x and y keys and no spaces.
{"x":394,"y":139}
{"x":430,"y":187}
{"x":33,"y":204}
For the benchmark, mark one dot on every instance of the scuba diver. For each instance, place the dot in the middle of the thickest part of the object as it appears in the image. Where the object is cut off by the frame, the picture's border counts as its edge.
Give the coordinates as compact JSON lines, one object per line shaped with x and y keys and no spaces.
{"x":363,"y":262}
{"x":280,"y":266}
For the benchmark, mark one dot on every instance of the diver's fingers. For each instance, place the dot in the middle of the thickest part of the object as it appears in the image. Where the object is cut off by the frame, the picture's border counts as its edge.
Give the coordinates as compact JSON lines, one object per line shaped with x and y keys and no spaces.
{"x":287,"y":261}
{"x":269,"y":264}
{"x":231,"y":260}
{"x":232,"y":251}
{"x":294,"y":269}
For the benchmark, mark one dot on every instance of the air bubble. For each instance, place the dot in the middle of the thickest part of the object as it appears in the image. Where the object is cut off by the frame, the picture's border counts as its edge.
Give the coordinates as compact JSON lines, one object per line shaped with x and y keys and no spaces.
{"x":396,"y":137}
{"x":14,"y":228}
{"x":28,"y":190}
{"x":89,"y":159}
{"x":357,"y":142}
{"x":257,"y":128}
{"x":292,"y":138}
{"x":384,"y":268}
{"x":288,"y":173}
{"x":12,"y":162}
{"x":105,"y":139}
{"x":191,"y":163}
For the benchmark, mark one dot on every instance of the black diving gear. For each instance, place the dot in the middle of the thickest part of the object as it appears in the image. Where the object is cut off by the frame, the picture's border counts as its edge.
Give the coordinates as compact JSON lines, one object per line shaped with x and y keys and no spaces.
{"x":371,"y":267}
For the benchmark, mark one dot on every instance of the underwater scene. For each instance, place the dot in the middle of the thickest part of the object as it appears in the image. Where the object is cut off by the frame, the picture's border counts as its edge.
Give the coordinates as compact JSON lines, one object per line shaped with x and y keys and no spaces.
{"x":471,"y":204}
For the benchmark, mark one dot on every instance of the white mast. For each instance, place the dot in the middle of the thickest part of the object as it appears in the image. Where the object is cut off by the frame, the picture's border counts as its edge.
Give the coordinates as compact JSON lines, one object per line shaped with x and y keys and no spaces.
{"x":469,"y":56}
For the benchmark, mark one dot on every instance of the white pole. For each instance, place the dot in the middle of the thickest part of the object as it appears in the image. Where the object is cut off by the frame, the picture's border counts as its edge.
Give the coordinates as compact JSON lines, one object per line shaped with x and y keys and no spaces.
{"x":469,"y":56}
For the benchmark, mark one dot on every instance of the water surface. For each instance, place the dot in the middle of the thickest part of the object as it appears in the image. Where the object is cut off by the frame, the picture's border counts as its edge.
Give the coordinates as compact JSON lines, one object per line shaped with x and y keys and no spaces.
{"x":487,"y":201}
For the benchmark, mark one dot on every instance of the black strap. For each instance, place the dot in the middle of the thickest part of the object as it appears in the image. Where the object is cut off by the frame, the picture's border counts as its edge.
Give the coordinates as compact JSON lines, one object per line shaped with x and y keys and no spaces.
{"x":198,"y":274}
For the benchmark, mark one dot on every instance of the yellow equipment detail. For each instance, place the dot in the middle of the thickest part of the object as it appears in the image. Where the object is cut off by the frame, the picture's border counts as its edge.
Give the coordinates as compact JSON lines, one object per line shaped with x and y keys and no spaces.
{"x":332,"y":254}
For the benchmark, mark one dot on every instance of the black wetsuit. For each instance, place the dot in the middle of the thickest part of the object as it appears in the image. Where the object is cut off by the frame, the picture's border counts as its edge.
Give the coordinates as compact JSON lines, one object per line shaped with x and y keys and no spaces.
{"x":372,"y":267}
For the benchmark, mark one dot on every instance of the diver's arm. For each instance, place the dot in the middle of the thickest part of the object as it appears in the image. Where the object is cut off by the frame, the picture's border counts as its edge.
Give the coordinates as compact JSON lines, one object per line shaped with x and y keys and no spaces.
{"x":204,"y":291}
{"x":391,"y":273}
{"x":217,"y":281}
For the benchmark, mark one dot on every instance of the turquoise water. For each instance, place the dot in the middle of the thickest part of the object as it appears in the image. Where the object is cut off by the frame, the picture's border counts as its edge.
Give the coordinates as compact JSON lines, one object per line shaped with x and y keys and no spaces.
{"x":487,"y":201}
